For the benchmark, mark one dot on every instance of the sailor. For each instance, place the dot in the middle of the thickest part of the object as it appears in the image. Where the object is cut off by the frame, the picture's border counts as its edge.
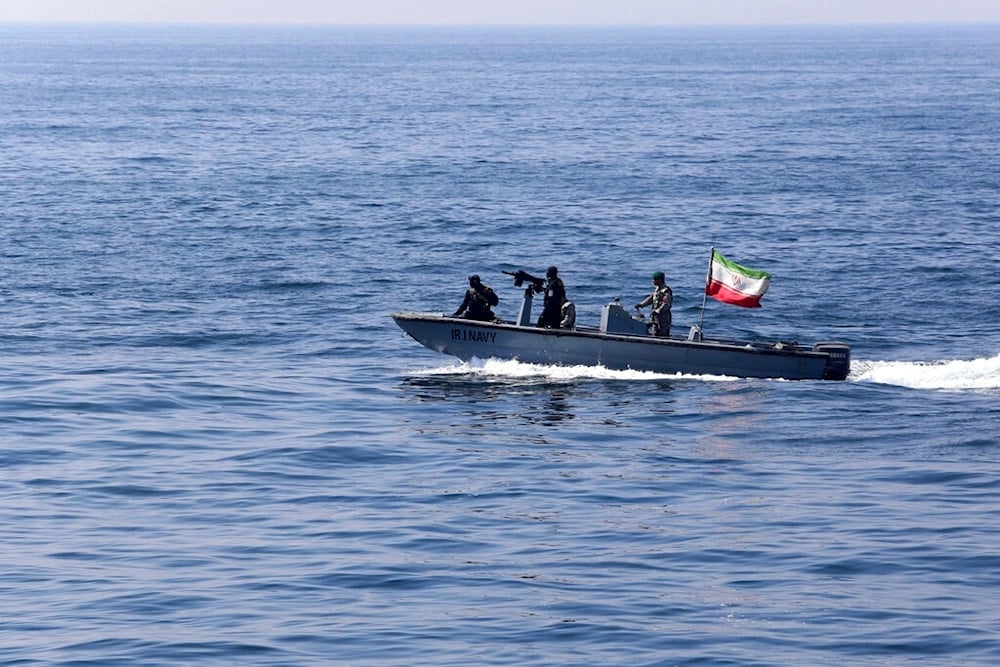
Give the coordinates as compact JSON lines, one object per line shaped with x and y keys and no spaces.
{"x":555,"y":296}
{"x":477,"y":302}
{"x":568,"y":314}
{"x":661,"y":298}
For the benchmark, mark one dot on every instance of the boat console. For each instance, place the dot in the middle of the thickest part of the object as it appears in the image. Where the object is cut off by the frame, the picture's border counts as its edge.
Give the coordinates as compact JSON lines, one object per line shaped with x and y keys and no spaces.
{"x":616,"y":320}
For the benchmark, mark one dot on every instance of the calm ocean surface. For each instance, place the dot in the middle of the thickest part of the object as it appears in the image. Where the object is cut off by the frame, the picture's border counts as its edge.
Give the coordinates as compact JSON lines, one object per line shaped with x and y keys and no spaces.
{"x":217,"y":448}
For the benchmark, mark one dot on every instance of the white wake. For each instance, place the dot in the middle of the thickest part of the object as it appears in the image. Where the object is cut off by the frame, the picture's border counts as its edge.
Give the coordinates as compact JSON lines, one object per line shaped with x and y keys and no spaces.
{"x":955,"y":374}
{"x":501,"y":369}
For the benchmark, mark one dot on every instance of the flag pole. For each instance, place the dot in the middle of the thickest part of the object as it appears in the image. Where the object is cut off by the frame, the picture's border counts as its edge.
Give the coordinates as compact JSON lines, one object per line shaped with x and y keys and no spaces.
{"x":704,"y":296}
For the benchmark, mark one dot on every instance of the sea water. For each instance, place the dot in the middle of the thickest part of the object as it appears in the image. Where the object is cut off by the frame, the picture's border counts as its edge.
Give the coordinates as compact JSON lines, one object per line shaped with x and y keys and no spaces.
{"x":217,"y":448}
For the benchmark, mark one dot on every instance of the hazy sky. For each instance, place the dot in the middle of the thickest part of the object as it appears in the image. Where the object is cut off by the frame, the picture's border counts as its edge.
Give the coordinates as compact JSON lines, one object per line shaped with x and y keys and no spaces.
{"x":503,"y":11}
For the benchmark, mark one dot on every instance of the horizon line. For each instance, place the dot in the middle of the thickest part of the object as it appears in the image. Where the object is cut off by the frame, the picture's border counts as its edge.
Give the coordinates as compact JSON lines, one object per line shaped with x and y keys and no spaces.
{"x":444,"y":24}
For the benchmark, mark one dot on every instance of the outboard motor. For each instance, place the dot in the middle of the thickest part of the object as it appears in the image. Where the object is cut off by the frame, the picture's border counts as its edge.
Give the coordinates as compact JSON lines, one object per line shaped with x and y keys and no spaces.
{"x":838,"y":364}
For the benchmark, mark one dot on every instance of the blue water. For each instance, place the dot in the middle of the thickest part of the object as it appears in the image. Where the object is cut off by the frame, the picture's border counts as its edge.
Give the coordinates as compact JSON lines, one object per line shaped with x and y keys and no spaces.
{"x":217,"y":448}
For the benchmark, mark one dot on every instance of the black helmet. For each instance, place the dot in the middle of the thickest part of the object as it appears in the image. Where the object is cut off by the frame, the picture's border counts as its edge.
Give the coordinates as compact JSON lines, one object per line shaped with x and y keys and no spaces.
{"x":474,"y":279}
{"x":552,"y":272}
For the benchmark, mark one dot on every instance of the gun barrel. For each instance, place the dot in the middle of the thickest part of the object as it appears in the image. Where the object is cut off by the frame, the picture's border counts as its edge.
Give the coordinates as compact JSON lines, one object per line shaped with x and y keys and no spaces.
{"x":520,"y":277}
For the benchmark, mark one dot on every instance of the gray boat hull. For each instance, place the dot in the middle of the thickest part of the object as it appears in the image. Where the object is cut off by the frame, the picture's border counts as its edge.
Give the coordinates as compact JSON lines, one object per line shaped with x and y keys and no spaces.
{"x":468,"y":339}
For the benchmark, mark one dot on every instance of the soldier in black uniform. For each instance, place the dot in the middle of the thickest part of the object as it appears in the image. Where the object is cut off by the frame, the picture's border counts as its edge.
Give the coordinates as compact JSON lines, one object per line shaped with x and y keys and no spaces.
{"x":555,"y":295}
{"x":478,"y":300}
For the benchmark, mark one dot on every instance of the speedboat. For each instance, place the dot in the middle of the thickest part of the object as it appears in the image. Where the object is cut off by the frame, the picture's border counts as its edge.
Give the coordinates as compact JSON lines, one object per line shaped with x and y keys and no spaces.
{"x":622,"y":341}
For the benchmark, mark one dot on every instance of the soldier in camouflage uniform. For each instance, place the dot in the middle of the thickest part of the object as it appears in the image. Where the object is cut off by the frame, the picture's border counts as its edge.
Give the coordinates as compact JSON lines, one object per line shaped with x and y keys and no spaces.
{"x":661,"y":299}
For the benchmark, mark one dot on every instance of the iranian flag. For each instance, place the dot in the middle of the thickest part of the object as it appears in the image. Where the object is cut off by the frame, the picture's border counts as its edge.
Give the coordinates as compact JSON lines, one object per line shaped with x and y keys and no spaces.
{"x":729,"y":282}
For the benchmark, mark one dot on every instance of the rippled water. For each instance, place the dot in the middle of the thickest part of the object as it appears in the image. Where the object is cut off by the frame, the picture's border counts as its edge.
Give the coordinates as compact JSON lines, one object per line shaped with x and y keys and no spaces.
{"x":217,"y":448}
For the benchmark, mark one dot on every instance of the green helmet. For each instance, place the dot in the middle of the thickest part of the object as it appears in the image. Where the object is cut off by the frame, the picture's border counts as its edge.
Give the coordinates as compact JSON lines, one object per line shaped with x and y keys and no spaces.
{"x":659,"y":275}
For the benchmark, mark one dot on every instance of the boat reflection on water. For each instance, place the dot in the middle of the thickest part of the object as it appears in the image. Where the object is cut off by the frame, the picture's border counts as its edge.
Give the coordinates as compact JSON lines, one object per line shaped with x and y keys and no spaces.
{"x":505,"y":390}
{"x":537,"y":402}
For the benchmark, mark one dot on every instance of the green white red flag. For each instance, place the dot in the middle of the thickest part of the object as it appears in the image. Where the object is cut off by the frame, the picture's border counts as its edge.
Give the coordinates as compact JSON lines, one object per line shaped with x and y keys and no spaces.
{"x":729,"y":282}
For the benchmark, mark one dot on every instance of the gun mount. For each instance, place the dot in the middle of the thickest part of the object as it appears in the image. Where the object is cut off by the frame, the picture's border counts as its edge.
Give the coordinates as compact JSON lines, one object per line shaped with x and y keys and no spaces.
{"x":534,"y":286}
